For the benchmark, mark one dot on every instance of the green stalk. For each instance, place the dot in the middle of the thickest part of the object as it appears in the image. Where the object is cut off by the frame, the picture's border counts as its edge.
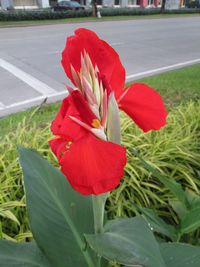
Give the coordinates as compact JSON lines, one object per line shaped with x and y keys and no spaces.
{"x":98,"y":211}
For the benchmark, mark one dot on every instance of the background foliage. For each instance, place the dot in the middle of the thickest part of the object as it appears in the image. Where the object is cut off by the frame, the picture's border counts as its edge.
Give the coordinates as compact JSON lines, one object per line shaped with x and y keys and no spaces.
{"x":174,"y":151}
{"x":18,"y":15}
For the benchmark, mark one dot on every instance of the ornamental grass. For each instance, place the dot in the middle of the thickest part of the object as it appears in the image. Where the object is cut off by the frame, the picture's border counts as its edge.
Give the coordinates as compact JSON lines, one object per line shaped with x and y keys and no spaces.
{"x":174,"y":150}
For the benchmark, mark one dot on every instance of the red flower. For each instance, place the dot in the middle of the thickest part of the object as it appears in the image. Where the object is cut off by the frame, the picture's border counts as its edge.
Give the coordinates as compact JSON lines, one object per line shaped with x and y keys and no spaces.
{"x":87,"y":125}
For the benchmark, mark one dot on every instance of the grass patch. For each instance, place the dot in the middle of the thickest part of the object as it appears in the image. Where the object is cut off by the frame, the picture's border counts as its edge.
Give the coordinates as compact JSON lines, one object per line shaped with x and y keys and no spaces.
{"x":46,"y":21}
{"x":87,"y":19}
{"x":174,"y":151}
{"x":40,"y":115}
{"x":177,"y":86}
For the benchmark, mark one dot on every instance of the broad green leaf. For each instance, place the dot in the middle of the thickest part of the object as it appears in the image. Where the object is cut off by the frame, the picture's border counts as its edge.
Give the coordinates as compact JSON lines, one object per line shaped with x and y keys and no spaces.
{"x":14,"y":254}
{"x":58,"y":215}
{"x":191,"y":221}
{"x":193,"y":199}
{"x":180,"y":255}
{"x":129,"y":242}
{"x":171,"y":184}
{"x":178,"y":207}
{"x":158,"y":225}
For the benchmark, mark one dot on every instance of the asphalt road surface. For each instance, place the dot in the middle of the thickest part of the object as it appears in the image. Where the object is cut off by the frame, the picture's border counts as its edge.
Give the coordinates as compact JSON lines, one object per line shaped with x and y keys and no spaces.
{"x":30,"y":69}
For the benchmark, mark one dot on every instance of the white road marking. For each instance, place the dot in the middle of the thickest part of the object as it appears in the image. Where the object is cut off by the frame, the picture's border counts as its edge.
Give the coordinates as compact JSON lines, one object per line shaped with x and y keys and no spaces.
{"x":36,"y":84}
{"x":54,"y":95}
{"x":53,"y":52}
{"x":162,"y":69}
{"x":115,"y":44}
{"x":22,"y":105}
{"x":29,"y":101}
{"x":25,"y":102}
{"x":2,"y":106}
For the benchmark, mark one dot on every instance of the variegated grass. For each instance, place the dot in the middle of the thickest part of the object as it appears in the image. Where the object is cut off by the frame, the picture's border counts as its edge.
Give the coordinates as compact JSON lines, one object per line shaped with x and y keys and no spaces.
{"x":174,"y":150}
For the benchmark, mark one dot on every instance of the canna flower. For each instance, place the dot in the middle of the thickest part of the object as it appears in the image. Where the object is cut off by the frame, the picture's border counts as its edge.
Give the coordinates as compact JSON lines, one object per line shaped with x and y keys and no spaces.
{"x":87,"y":126}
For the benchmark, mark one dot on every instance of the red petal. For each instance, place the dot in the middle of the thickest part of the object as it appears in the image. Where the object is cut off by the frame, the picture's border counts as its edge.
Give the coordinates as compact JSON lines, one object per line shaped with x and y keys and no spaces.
{"x":63,"y":125}
{"x":101,"y":54}
{"x":58,"y":146}
{"x":91,"y":165}
{"x":144,"y":105}
{"x":57,"y":122}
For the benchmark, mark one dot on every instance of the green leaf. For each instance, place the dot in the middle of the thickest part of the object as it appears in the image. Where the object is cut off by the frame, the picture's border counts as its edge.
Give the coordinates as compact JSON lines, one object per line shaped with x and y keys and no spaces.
{"x":158,"y":225}
{"x":193,"y":199}
{"x":14,"y":254}
{"x":171,"y":184}
{"x":178,"y":207}
{"x":58,"y":215}
{"x":129,"y":242}
{"x":180,"y":255}
{"x":191,"y":221}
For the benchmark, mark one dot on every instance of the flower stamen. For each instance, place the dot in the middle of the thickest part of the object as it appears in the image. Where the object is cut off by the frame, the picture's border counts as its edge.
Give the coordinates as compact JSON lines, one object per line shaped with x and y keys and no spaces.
{"x":96,"y":123}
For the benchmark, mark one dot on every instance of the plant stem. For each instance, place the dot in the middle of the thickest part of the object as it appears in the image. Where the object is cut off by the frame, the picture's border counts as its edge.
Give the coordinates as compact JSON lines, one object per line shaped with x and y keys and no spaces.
{"x":98,"y":210}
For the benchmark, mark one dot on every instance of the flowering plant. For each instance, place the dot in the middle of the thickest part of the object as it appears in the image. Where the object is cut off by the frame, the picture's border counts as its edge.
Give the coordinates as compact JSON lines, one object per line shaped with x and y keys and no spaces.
{"x":88,"y":125}
{"x":66,"y":210}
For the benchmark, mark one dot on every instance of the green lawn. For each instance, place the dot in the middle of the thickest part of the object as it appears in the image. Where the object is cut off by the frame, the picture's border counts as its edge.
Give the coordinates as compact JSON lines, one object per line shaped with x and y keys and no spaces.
{"x":174,"y":86}
{"x":86,"y":19}
{"x":177,"y":86}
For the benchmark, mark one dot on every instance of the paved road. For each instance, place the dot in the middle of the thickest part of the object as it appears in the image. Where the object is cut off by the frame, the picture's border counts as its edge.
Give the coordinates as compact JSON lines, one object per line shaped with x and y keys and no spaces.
{"x":30,"y":69}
